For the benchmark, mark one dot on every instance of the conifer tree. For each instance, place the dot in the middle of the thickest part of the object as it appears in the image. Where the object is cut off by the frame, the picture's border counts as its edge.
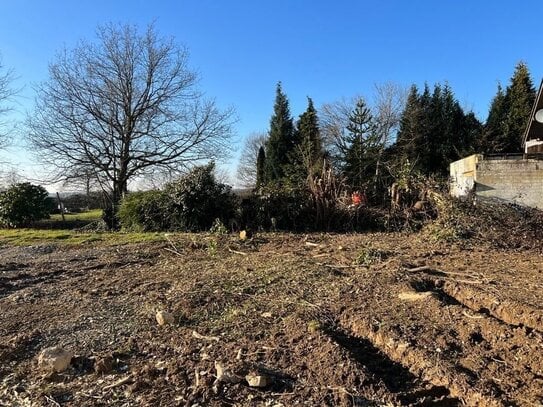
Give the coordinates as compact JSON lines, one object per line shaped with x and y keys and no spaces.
{"x":260,"y":167}
{"x":360,"y":154}
{"x":509,"y":114}
{"x":493,"y":135}
{"x":308,"y":153}
{"x":281,"y":138}
{"x":519,"y":99}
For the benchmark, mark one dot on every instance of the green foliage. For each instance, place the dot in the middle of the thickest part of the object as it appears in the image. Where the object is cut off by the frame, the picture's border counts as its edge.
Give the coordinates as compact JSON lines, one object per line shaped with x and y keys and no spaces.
{"x":281,"y":207}
{"x":193,"y":203}
{"x":196,"y":200}
{"x":144,"y":212}
{"x":22,"y":204}
{"x":307,"y":154}
{"x":260,"y":167}
{"x":435,"y":130}
{"x":281,"y":138}
{"x":360,"y":155}
{"x":369,"y":255}
{"x":509,"y":114}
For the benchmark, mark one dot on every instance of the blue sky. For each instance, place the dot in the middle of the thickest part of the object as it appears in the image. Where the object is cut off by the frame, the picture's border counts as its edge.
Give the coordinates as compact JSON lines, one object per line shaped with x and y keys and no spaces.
{"x":323,"y":49}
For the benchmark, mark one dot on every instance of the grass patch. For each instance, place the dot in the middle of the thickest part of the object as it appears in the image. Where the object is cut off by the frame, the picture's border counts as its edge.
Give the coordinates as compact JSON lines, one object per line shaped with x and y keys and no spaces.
{"x":93,"y":215}
{"x":26,"y":237}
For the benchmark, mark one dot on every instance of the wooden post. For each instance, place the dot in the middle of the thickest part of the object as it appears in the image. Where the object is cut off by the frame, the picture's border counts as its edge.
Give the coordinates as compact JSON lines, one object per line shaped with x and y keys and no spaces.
{"x":61,"y":207}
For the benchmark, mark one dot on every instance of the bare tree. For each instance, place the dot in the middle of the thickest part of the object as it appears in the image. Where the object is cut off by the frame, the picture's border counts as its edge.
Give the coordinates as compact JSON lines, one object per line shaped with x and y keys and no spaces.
{"x":124,"y":106}
{"x":6,"y":95}
{"x":388,"y":105}
{"x":334,"y":120}
{"x":246,"y":172}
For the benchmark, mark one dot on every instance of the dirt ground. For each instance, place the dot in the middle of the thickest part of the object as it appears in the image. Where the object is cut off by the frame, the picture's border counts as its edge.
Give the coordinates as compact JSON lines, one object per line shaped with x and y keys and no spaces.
{"x":346,"y":320}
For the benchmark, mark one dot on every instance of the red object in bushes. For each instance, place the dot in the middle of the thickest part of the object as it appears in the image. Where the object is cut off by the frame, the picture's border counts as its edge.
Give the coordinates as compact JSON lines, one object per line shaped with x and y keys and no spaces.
{"x":358,"y":198}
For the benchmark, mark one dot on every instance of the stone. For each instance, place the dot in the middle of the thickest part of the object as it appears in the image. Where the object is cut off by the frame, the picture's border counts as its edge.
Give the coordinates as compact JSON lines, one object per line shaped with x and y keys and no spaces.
{"x":164,"y":318}
{"x":256,"y":380}
{"x":225,"y":375}
{"x":55,"y":359}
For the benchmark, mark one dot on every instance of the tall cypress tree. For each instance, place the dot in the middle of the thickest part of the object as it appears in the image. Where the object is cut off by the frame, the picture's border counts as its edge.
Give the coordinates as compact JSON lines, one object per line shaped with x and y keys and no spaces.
{"x":280,"y":141}
{"x":309,"y":150}
{"x":260,"y":167}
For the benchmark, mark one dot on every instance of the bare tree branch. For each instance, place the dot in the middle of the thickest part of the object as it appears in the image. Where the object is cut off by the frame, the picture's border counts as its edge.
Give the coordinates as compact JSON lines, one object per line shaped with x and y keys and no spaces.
{"x":123,"y":107}
{"x":246,"y":172}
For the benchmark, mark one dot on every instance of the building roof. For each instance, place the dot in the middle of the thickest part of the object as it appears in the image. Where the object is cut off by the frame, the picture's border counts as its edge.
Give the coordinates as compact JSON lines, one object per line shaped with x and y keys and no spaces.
{"x":534,"y":130}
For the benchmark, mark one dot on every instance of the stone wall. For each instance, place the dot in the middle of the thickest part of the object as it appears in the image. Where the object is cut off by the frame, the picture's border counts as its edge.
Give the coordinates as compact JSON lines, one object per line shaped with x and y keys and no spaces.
{"x":511,"y":180}
{"x":518,"y":181}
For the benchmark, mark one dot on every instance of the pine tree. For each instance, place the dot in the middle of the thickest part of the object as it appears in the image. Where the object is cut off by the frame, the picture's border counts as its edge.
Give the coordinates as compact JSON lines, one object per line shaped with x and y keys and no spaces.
{"x":260,"y":167}
{"x":519,"y":100}
{"x":281,"y":138}
{"x":360,"y":154}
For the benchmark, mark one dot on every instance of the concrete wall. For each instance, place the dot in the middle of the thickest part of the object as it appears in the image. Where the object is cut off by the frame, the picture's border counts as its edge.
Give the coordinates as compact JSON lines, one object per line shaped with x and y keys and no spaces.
{"x":512,"y":180}
{"x":518,"y":181}
{"x":462,"y":174}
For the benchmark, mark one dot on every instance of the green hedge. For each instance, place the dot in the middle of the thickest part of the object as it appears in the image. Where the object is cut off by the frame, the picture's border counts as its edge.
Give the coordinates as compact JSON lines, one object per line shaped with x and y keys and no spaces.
{"x":22,"y":204}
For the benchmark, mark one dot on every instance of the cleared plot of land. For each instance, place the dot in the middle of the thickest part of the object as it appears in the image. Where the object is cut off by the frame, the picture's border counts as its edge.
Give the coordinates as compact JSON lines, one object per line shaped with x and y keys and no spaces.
{"x":354,"y":320}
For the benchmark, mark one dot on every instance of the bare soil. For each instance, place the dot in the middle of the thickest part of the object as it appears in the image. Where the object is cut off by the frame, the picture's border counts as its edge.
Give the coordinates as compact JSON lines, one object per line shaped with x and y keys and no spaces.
{"x":346,"y":320}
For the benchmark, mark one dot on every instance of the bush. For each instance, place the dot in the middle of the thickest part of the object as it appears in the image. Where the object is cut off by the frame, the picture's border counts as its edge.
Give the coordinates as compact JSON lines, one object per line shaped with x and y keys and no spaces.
{"x":193,"y":203}
{"x":281,"y":207}
{"x":196,"y":200}
{"x":22,"y":204}
{"x":145,"y":211}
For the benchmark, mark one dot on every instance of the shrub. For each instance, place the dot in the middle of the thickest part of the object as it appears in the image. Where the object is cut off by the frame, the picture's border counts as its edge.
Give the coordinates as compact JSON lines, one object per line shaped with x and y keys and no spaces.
{"x":22,"y":204}
{"x":193,"y":203}
{"x":196,"y":200}
{"x":145,"y":212}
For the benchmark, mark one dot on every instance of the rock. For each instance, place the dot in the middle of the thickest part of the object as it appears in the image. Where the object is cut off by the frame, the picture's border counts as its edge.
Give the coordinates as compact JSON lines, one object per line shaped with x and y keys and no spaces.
{"x":243,"y":235}
{"x":55,"y":359}
{"x":104,"y":365}
{"x":255,"y":380}
{"x":225,"y":375}
{"x":414,"y":296}
{"x":266,"y":315}
{"x":164,"y":318}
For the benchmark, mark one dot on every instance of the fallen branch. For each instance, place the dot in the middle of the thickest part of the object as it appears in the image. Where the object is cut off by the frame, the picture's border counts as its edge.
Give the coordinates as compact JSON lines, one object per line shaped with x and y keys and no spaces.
{"x":237,"y":252}
{"x":204,"y":337}
{"x":430,"y":270}
{"x":118,"y":383}
{"x":311,"y":244}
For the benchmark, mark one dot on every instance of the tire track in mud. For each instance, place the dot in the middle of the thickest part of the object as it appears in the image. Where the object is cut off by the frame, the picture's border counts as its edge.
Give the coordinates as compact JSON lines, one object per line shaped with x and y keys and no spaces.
{"x":406,"y":388}
{"x":481,"y":356}
{"x":442,"y":374}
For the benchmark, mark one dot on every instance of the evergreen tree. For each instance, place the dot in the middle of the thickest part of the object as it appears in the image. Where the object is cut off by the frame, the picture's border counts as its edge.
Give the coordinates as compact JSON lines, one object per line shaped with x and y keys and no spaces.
{"x":408,"y":141}
{"x":434,"y":130}
{"x":260,"y":167}
{"x":361,"y":147}
{"x":509,"y":114}
{"x":281,"y":138}
{"x":308,"y":153}
{"x":493,"y":136}
{"x":519,"y":100}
